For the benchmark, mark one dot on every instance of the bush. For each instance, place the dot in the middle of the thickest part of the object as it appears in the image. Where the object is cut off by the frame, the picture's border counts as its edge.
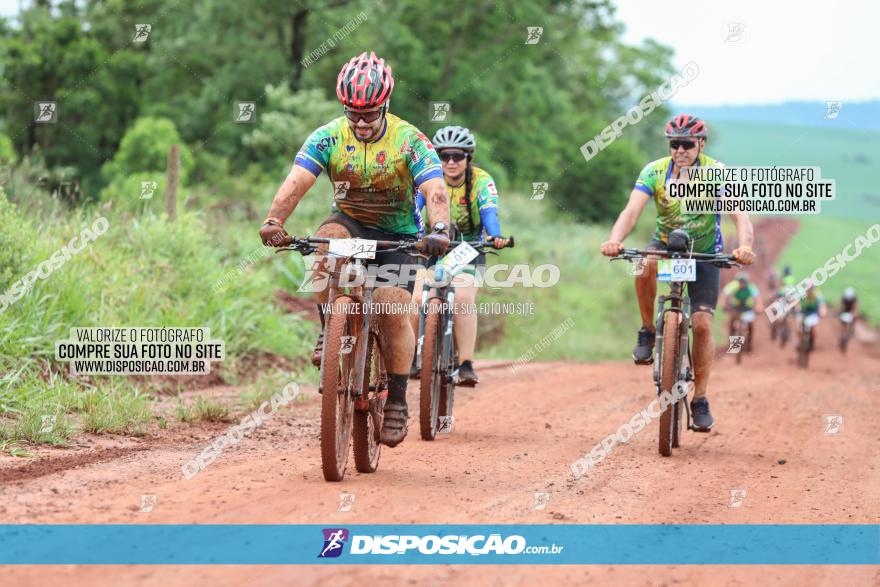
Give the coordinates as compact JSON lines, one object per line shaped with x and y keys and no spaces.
{"x":144,"y":148}
{"x":14,"y":241}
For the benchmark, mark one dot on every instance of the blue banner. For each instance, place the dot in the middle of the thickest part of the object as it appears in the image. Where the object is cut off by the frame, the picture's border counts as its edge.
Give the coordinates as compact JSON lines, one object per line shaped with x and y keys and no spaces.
{"x":787,"y":544}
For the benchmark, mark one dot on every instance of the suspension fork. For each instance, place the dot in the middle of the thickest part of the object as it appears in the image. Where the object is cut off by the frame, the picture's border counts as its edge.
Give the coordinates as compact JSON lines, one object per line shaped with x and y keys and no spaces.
{"x":362,"y":399}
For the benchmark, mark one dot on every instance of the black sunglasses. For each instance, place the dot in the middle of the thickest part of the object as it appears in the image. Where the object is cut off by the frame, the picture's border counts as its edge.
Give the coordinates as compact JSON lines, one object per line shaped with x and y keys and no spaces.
{"x":371,"y":116}
{"x":446,"y":157}
{"x":688,"y":145}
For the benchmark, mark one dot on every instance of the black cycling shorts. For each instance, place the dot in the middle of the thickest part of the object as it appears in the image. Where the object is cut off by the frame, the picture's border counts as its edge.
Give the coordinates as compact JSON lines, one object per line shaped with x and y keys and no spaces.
{"x":358,"y":230}
{"x":704,"y":291}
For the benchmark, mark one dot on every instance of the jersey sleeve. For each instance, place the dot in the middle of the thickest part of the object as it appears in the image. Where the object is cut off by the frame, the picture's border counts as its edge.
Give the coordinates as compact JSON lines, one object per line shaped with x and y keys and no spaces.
{"x":422,"y":159}
{"x":487,"y":193}
{"x":730,"y":288}
{"x":315,"y":151}
{"x":647,"y":181}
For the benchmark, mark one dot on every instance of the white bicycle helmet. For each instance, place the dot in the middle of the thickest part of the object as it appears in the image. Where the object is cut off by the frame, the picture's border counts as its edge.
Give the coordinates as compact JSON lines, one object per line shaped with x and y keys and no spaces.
{"x":455,"y":137}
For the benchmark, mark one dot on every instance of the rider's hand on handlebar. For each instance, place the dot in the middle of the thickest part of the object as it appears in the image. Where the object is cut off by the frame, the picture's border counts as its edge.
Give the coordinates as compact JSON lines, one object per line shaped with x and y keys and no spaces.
{"x":499,"y":242}
{"x":272,"y":234}
{"x":435,"y":244}
{"x":611,"y":248}
{"x":744,"y":255}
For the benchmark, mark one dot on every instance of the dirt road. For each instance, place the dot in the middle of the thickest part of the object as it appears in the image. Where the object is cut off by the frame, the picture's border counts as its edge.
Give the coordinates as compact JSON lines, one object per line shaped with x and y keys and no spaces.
{"x":515,"y":435}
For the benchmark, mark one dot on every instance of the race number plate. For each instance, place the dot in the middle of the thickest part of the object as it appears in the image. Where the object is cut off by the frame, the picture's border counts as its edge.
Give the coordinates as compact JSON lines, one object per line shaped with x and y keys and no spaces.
{"x":358,"y":248}
{"x":676,"y":270}
{"x":456,"y":259}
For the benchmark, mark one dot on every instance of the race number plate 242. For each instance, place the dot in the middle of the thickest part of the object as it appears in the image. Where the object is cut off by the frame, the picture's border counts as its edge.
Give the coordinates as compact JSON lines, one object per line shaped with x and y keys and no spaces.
{"x":358,"y":248}
{"x":676,"y":270}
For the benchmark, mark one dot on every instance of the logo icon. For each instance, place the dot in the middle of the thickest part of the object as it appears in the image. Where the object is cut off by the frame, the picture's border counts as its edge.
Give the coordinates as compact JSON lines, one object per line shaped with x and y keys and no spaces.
{"x":539,"y":189}
{"x":735,"y":32}
{"x":534,"y":35}
{"x":245,"y":112}
{"x":47,"y":423}
{"x":147,"y":503}
{"x":45,"y":112}
{"x":347,"y":343}
{"x":736,"y":344}
{"x":141,"y":33}
{"x":350,"y":148}
{"x":147,"y":189}
{"x":440,"y":111}
{"x":832,"y":110}
{"x":542,"y":498}
{"x":346,"y":502}
{"x":446,"y":423}
{"x":334,"y":540}
{"x":737,"y":497}
{"x":340,"y":189}
{"x":637,"y":267}
{"x":833,"y":424}
{"x":380,"y":158}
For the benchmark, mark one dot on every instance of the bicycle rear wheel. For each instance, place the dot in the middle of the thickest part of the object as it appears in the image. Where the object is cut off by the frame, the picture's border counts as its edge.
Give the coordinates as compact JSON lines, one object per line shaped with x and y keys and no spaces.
{"x":337,"y":400}
{"x":368,"y":422}
{"x":431,"y":378}
{"x":671,"y":324}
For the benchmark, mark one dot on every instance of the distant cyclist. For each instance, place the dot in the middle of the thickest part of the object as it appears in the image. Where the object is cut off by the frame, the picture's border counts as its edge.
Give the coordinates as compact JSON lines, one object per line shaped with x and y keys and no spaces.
{"x":812,"y":304}
{"x":377,"y":162}
{"x":740,"y":296}
{"x":848,"y":301}
{"x":473,"y":198}
{"x":687,"y":137}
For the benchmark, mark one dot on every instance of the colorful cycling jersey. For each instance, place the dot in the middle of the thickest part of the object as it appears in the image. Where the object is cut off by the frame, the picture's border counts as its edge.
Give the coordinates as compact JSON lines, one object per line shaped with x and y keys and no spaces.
{"x":375,"y":182}
{"x":743,"y":297}
{"x":483,"y":187}
{"x":811,"y":303}
{"x":484,"y":208}
{"x":704,"y":229}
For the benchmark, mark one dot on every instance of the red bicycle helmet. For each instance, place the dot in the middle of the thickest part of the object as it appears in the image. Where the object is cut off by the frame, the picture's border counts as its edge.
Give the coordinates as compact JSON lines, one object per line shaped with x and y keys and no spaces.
{"x":686,"y":126}
{"x":364,"y":82}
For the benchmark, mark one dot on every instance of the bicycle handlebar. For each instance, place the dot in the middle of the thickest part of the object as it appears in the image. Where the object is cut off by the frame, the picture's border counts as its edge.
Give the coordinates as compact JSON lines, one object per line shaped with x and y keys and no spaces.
{"x":306,"y":245}
{"x":724,"y":261}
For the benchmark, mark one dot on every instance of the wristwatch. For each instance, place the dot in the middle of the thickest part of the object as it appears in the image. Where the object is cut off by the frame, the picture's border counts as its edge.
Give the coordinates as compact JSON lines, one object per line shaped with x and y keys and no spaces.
{"x":441,"y":227}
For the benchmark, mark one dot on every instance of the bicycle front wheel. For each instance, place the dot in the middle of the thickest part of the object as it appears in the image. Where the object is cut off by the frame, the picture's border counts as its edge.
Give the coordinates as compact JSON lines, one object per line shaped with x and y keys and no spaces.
{"x":367,"y":423}
{"x":337,"y":399}
{"x":430,"y":379}
{"x":671,"y":325}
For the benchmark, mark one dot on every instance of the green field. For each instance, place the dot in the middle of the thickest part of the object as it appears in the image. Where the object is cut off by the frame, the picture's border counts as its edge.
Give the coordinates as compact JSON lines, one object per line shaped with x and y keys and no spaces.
{"x":849,"y":157}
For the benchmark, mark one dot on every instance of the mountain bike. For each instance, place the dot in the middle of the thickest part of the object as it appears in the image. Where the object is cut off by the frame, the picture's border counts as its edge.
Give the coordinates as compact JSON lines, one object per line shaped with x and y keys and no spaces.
{"x":353,"y":380}
{"x":847,"y":324}
{"x":673,"y":360}
{"x":805,"y":344}
{"x":435,"y":351}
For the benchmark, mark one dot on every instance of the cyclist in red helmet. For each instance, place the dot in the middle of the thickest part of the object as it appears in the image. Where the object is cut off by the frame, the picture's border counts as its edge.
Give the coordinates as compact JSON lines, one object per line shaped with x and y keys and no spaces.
{"x":377,"y":163}
{"x":687,"y":136}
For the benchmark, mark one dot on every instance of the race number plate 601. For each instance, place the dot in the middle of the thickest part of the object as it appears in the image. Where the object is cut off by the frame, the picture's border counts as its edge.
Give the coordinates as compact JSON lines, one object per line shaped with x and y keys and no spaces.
{"x":676,"y":270}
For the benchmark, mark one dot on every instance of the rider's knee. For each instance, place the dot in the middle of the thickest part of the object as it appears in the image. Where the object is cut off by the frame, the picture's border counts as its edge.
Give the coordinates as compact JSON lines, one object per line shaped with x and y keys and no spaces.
{"x":332,"y":230}
{"x":701,"y":319}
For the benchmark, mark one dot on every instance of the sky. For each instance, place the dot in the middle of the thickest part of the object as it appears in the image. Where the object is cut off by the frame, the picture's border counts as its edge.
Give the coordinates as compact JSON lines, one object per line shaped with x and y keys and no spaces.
{"x":787,"y":50}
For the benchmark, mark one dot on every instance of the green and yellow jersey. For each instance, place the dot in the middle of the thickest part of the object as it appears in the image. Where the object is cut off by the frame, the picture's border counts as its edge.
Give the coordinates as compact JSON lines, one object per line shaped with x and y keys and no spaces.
{"x":704,"y":229}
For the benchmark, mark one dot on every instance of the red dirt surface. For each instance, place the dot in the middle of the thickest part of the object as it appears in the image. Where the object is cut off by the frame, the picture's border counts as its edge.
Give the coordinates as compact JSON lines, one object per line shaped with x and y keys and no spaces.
{"x":514,"y":435}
